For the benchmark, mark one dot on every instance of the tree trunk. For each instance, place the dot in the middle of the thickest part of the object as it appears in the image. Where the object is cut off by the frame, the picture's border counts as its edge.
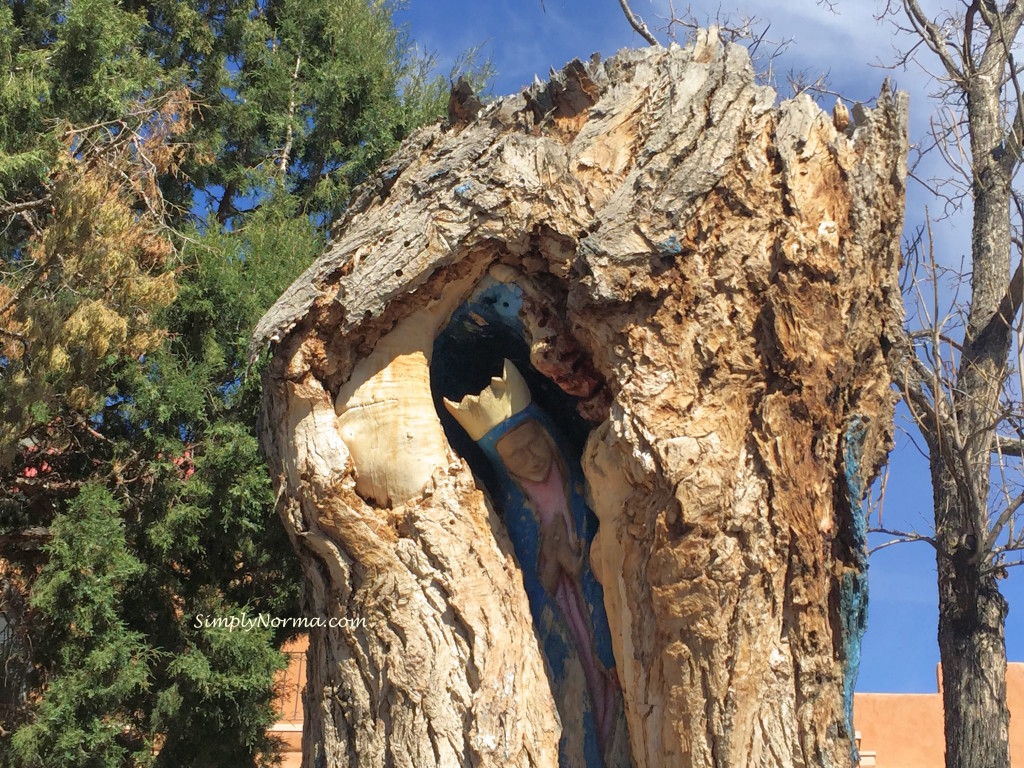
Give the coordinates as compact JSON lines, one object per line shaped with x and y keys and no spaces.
{"x":713,"y":278}
{"x":972,"y":647}
{"x":972,"y":612}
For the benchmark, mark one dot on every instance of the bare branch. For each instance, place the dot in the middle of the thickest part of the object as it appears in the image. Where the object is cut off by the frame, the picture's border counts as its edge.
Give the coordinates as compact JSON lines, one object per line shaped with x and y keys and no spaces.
{"x":992,"y":535}
{"x":1009,"y":446}
{"x":638,"y":24}
{"x":902,"y":537}
{"x":1004,"y":25}
{"x":934,"y":38}
{"x":27,"y":205}
{"x":927,"y":334}
{"x":287,"y":149}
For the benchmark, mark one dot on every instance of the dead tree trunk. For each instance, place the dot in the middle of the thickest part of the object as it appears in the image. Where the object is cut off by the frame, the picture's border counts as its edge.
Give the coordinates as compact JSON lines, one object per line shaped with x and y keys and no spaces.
{"x":713,"y":277}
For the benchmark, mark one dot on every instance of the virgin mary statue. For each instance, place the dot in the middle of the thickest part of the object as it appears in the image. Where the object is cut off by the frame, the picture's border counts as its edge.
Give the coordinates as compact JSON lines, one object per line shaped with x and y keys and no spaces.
{"x":551,"y":529}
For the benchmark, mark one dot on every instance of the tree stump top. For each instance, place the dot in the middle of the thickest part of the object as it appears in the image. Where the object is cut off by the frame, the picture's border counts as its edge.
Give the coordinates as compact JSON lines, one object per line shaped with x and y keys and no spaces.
{"x":561,"y":169}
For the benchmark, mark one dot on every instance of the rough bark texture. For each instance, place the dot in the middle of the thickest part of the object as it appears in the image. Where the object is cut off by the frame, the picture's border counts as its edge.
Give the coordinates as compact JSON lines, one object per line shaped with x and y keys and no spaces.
{"x":972,"y":643}
{"x":716,"y":277}
{"x":972,"y":612}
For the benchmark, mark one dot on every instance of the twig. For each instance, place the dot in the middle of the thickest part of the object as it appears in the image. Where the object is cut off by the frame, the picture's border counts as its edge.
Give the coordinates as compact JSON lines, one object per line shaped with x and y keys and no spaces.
{"x":902,"y":537}
{"x":638,"y":24}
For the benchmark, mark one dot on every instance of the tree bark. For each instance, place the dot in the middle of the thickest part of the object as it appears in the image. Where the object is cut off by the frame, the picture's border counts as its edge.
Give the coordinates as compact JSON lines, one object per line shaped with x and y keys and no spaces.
{"x":715,"y":277}
{"x":972,"y":612}
{"x":972,"y":646}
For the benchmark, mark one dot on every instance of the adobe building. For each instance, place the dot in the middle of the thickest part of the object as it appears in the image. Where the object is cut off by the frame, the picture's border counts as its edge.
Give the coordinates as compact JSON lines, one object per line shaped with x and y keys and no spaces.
{"x":894,"y":730}
{"x":289,"y":703}
{"x":904,"y":730}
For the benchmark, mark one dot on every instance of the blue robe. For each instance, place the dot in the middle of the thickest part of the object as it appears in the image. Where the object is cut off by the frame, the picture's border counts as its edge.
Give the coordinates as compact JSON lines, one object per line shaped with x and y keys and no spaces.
{"x":523,"y":529}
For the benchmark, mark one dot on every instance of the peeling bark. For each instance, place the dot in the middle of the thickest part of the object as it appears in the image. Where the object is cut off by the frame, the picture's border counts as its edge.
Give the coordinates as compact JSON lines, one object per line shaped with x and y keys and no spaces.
{"x":715,"y":278}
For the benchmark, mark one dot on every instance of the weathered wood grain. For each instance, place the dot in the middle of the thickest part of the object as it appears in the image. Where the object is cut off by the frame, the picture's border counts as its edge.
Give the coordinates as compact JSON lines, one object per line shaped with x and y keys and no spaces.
{"x":722,"y":272}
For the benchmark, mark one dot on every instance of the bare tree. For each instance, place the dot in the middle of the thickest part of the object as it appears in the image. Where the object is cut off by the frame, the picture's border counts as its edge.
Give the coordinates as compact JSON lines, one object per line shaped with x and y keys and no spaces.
{"x":955,"y":371}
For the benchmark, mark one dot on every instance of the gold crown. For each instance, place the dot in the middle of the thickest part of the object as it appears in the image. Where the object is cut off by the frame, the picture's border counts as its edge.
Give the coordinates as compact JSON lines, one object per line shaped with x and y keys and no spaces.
{"x":503,"y":398}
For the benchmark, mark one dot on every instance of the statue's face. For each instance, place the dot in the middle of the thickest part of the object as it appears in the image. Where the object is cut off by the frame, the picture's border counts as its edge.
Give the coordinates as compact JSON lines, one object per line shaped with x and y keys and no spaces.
{"x":526,"y":452}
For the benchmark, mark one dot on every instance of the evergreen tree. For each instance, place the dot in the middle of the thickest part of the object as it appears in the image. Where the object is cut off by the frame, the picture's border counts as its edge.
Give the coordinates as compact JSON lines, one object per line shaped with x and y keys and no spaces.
{"x":166,"y":169}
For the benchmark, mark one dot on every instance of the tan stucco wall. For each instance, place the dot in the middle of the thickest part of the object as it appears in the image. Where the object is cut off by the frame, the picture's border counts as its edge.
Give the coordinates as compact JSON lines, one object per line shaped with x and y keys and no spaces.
{"x":904,"y":730}
{"x":289,"y":703}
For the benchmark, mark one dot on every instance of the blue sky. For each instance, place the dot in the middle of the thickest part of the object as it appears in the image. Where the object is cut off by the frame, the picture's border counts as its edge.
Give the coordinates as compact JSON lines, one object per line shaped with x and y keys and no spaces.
{"x":900,"y":651}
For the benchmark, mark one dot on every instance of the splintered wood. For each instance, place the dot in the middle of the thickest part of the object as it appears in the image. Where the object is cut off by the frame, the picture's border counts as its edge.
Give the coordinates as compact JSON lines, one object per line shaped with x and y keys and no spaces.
{"x":719,"y":275}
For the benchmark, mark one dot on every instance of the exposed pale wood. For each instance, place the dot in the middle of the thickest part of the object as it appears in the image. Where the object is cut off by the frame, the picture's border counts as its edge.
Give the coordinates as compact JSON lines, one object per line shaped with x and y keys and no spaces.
{"x":716,"y":276}
{"x":385,"y":413}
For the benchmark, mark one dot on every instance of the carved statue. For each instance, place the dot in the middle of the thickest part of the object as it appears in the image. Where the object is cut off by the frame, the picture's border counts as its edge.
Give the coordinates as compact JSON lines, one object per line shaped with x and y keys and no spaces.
{"x":551,"y":529}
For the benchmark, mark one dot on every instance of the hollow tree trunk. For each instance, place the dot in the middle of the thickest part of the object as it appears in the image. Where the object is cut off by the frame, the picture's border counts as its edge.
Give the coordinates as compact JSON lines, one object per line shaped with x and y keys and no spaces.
{"x":714,"y":277}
